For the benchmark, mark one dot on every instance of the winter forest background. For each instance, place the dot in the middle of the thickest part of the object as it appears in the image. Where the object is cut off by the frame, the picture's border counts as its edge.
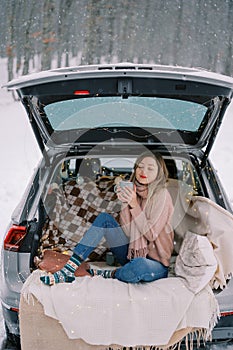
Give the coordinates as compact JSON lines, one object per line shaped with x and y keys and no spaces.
{"x":39,"y":35}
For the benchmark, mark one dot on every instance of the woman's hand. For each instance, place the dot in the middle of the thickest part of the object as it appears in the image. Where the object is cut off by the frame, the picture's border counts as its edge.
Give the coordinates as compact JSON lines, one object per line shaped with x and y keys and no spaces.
{"x":127,"y":195}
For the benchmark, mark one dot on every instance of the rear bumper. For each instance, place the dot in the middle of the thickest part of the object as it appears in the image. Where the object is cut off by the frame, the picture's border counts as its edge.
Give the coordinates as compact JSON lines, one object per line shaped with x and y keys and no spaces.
{"x":224,"y":328}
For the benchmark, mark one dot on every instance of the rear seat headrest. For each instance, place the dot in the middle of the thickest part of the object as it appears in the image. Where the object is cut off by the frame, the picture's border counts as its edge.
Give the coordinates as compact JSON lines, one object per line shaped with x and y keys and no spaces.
{"x":89,"y":167}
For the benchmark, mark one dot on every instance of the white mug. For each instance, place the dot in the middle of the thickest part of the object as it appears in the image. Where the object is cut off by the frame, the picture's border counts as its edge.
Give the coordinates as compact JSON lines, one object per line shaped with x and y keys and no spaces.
{"x":123,"y":184}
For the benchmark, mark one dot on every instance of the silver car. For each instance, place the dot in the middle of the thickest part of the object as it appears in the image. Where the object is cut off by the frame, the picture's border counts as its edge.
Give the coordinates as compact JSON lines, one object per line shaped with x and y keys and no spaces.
{"x":93,"y":121}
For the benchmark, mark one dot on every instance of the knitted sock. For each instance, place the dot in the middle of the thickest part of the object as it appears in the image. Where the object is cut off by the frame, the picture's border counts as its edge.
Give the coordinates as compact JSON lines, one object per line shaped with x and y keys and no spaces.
{"x":66,"y":274}
{"x":103,"y":273}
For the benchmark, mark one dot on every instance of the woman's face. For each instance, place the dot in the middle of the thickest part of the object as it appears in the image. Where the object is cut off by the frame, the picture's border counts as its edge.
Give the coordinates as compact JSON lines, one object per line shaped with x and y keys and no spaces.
{"x":147,"y":170}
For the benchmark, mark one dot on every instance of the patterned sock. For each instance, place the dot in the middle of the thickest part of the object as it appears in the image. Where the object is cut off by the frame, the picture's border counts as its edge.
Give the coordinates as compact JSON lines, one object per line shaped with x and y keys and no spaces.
{"x":103,"y":273}
{"x":66,"y":274}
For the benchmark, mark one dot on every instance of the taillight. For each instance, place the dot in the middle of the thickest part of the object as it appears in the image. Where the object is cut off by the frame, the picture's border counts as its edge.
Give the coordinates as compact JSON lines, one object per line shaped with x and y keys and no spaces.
{"x":226,"y":313}
{"x":14,"y":238}
{"x":15,"y":309}
{"x":81,"y":92}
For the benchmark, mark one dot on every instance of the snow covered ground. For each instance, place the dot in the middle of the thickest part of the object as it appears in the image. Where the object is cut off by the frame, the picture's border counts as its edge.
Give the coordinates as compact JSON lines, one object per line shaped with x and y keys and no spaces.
{"x":19,"y":155}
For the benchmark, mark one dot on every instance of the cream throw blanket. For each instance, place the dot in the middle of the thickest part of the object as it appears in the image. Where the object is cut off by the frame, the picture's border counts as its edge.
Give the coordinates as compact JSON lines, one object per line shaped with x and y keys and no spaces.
{"x":99,"y":311}
{"x":202,"y":216}
{"x":106,"y":311}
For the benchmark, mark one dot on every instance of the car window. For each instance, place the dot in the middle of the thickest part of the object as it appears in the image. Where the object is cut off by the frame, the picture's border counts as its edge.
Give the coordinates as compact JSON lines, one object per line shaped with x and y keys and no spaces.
{"x":158,"y":112}
{"x":178,"y":168}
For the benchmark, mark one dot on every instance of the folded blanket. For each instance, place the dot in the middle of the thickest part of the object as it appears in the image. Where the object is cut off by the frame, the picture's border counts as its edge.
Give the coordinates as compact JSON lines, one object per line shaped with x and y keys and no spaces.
{"x":154,"y":311}
{"x":196,"y":262}
{"x":99,"y":311}
{"x":39,"y":331}
{"x":204,"y":217}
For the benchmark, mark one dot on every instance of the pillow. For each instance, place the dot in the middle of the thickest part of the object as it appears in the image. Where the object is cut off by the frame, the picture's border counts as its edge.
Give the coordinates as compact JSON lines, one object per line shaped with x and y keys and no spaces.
{"x":196,"y":262}
{"x":53,"y":261}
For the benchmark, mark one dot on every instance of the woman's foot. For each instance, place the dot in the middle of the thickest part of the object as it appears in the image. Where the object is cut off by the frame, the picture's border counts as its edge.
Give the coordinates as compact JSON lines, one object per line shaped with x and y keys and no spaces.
{"x":103,"y":273}
{"x":66,"y":274}
{"x":57,"y":277}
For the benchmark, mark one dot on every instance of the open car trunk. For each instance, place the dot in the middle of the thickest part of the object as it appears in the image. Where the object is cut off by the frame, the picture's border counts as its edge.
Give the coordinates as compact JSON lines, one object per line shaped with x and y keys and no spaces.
{"x":61,"y":233}
{"x":91,"y":123}
{"x":167,"y":107}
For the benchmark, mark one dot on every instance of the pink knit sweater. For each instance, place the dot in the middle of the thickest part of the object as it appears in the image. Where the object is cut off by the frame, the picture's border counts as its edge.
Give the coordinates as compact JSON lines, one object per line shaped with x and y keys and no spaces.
{"x":149,"y":227}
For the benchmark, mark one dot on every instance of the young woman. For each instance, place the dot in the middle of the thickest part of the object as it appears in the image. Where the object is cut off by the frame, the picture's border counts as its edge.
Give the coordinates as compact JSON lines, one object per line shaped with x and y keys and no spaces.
{"x":143,"y":241}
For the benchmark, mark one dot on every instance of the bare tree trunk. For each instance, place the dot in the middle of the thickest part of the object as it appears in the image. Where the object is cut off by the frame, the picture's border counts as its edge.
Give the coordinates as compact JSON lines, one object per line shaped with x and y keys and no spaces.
{"x":92,"y":36}
{"x":65,"y":23}
{"x":10,"y":41}
{"x":27,"y":46}
{"x":177,"y":43}
{"x":59,"y":34}
{"x":228,"y":69}
{"x":47,"y":35}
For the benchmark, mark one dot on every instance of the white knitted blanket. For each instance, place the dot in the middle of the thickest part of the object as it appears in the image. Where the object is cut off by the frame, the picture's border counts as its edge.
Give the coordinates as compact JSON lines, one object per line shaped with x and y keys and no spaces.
{"x":107,"y":311}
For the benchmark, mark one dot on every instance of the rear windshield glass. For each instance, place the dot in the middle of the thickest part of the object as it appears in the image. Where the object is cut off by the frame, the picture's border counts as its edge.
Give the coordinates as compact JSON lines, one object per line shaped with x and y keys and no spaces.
{"x":134,"y":111}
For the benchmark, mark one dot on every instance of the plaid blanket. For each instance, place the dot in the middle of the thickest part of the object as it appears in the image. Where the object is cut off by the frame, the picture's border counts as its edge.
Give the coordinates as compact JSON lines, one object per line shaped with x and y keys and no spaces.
{"x":74,"y":208}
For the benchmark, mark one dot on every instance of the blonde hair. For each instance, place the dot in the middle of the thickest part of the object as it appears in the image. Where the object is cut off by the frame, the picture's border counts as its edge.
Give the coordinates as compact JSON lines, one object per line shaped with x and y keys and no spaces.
{"x":162,"y":176}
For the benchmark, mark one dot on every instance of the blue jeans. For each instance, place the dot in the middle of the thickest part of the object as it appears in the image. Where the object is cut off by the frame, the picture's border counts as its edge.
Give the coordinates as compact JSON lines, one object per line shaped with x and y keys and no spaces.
{"x":133,"y":271}
{"x":104,"y":226}
{"x":141,"y":270}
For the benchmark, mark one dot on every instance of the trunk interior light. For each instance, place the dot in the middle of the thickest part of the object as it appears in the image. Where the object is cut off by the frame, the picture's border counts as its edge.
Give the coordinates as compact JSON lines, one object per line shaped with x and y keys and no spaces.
{"x":81,"y":92}
{"x":14,"y":238}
